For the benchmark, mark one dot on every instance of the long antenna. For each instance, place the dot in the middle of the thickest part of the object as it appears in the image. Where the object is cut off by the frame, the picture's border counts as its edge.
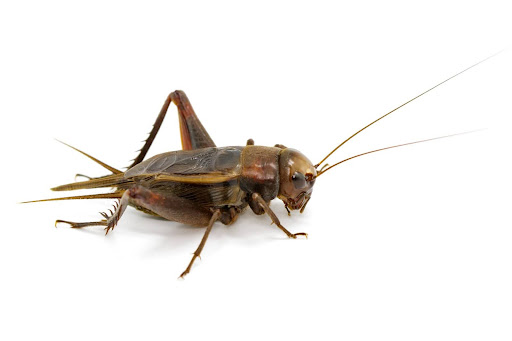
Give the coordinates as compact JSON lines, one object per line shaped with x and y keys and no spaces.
{"x":402,"y":105}
{"x":395,"y":146}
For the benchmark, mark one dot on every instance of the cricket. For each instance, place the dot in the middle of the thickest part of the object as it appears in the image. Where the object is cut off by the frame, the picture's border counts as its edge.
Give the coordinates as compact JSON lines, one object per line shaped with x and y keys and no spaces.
{"x":202,"y":183}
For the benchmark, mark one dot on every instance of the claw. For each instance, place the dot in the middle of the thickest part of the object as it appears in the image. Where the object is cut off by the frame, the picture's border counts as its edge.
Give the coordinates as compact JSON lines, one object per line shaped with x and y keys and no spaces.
{"x":78,"y":225}
{"x":300,"y":234}
{"x":287,"y":210}
{"x":70,"y":223}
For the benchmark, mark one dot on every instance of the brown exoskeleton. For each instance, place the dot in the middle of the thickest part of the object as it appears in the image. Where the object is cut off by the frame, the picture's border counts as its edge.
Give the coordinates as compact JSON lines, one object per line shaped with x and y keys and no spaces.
{"x":202,"y":183}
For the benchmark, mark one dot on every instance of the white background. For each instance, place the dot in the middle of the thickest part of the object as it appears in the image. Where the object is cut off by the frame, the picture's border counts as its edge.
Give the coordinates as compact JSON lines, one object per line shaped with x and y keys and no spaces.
{"x":408,"y":244}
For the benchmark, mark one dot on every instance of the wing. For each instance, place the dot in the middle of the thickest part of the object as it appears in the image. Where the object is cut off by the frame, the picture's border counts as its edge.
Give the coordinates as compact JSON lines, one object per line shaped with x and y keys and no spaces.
{"x":207,"y":176}
{"x":195,"y":163}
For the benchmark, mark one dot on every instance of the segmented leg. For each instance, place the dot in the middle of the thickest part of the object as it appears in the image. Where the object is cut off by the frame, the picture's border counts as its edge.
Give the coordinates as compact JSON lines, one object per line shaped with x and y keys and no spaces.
{"x":256,"y":197}
{"x":111,"y":218}
{"x":193,"y":134}
{"x":197,"y":252}
{"x":170,"y":206}
{"x":80,"y":225}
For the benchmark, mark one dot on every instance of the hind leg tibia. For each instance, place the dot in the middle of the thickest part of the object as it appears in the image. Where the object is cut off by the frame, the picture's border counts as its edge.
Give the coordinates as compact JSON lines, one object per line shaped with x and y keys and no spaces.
{"x":193,"y":134}
{"x":111,"y":218}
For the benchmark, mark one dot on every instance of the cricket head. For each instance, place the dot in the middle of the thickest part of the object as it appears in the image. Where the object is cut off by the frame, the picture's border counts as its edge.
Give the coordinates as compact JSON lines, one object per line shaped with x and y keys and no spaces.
{"x":296,"y":179}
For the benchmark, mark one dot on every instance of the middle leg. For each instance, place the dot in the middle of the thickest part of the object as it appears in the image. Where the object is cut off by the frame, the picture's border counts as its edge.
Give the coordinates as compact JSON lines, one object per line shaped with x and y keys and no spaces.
{"x":197,"y":252}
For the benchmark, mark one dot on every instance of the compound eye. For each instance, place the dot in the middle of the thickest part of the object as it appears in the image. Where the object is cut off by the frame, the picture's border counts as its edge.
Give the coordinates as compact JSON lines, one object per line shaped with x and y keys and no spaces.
{"x":299,"y":180}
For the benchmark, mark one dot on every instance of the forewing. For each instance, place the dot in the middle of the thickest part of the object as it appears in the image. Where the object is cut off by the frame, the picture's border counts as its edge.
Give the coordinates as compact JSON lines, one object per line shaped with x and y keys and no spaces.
{"x":208,"y":176}
{"x":197,"y":163}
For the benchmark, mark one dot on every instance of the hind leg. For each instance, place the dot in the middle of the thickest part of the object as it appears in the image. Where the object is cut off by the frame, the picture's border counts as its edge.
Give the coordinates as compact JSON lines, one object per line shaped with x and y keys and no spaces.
{"x":167,"y":206}
{"x":110,"y":220}
{"x":193,"y":134}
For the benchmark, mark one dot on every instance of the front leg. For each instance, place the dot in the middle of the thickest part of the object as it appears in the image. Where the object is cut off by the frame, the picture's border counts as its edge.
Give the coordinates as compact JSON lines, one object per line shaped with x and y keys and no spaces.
{"x":258,"y":199}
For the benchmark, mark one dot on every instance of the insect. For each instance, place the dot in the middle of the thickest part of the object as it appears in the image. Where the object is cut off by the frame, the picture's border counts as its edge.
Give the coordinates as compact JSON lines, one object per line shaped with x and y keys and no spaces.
{"x":203,"y":183}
